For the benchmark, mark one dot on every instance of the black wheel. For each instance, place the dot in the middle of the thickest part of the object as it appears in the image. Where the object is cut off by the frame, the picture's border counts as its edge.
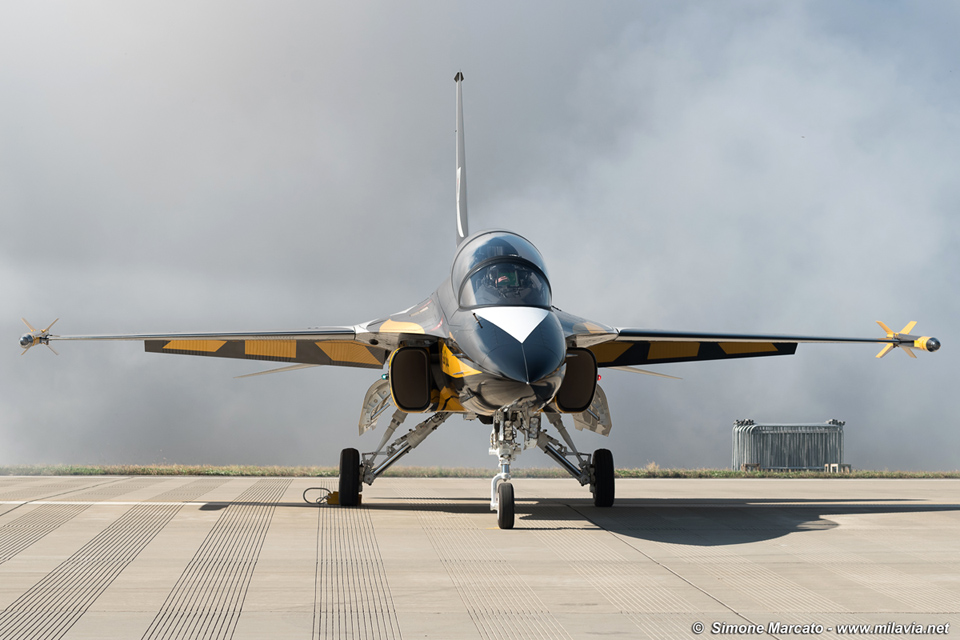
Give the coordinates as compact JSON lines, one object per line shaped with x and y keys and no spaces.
{"x":505,"y":505}
{"x":349,"y":478}
{"x":603,"y":478}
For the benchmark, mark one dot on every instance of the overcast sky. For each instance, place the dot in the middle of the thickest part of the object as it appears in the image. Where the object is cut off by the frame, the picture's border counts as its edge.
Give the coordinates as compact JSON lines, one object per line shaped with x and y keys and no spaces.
{"x":741,"y":167}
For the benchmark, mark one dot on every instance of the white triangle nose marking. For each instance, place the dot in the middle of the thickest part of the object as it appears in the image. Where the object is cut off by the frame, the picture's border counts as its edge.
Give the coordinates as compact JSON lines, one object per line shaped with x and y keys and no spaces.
{"x":519,"y":322}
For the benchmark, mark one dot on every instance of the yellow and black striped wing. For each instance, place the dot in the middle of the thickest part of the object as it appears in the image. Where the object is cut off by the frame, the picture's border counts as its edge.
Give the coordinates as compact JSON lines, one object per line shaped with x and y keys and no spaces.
{"x":337,"y":346}
{"x":620,"y":353}
{"x":343,"y":353}
{"x":633,"y":347}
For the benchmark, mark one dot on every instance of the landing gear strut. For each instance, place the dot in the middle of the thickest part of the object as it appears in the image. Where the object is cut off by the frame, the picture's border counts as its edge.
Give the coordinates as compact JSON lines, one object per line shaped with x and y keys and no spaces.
{"x":354,"y":472}
{"x":596,"y":470}
{"x":513,"y":431}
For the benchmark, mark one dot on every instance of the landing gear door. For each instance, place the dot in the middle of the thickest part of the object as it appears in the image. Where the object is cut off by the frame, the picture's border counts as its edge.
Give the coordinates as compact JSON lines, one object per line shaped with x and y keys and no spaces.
{"x":376,"y":401}
{"x":597,"y":416}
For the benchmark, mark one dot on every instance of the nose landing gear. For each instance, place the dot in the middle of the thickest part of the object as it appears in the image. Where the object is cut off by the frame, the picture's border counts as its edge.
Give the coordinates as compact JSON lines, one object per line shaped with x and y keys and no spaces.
{"x":509,"y":430}
{"x":514,"y":431}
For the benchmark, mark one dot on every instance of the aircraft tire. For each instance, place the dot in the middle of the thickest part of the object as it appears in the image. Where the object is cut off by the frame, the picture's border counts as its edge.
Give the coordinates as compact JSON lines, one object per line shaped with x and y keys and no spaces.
{"x":349,"y":478}
{"x":603,"y":485}
{"x":505,"y":505}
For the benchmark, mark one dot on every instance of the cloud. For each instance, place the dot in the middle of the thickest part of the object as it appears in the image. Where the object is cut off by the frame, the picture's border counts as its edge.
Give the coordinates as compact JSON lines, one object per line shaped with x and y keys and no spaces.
{"x":755,"y":168}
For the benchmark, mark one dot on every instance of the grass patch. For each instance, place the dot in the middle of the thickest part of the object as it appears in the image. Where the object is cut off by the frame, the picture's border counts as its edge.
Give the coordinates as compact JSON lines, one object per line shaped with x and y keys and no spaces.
{"x":650,"y":471}
{"x":165,"y":470}
{"x":730,"y":473}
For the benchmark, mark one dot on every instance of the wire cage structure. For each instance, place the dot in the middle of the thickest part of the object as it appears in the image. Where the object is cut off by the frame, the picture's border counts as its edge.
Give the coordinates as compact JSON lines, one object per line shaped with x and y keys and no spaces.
{"x":788,"y":447}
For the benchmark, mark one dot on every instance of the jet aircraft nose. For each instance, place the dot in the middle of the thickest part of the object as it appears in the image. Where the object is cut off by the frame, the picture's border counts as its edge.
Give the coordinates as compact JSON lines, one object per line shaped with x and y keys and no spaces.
{"x":521,"y":343}
{"x":540,"y":361}
{"x":521,"y":351}
{"x":523,"y":363}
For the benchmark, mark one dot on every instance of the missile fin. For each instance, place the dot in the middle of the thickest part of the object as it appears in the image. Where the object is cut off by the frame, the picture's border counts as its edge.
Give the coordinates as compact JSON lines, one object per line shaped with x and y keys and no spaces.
{"x":886,"y":349}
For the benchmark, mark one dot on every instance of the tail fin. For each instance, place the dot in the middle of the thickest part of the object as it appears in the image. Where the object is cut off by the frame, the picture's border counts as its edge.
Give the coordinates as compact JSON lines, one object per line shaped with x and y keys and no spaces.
{"x":462,"y":231}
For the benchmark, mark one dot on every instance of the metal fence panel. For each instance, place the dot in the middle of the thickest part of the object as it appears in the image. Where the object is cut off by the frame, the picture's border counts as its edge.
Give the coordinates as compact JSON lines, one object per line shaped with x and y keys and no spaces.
{"x":787,"y":446}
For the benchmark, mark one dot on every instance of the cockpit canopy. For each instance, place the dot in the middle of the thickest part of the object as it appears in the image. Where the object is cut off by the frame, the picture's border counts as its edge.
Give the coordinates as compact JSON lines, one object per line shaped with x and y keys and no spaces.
{"x":505,"y":283}
{"x":500,"y":268}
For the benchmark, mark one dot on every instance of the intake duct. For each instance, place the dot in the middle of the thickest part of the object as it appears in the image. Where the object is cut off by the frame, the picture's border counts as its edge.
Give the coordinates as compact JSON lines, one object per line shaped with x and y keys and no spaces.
{"x":410,"y":380}
{"x":579,"y":382}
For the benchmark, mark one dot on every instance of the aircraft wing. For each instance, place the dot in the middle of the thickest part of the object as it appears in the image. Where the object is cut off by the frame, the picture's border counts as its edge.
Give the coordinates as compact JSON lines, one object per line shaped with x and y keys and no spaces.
{"x":615,"y":347}
{"x":643,"y":347}
{"x":365,"y":345}
{"x":337,"y":346}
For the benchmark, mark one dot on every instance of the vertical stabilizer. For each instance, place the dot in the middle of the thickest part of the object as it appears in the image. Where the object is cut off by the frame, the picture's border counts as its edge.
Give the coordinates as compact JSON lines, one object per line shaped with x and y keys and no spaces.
{"x":462,"y":231}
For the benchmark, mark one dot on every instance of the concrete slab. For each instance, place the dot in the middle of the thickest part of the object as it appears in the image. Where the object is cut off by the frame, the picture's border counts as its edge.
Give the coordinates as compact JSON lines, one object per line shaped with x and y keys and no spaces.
{"x":246,"y":558}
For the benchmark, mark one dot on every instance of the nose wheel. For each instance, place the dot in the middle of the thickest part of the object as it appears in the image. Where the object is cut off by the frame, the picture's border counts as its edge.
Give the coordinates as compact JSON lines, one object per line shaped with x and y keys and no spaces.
{"x":505,"y":505}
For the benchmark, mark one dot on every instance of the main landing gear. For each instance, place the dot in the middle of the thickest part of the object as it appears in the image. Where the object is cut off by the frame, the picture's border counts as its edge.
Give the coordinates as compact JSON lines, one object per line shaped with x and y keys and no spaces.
{"x":355,"y":470}
{"x":513,"y":432}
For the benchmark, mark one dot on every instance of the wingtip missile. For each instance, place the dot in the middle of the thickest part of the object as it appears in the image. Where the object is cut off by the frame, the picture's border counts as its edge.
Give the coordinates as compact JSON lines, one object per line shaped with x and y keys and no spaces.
{"x":905,"y":341}
{"x":35,"y":337}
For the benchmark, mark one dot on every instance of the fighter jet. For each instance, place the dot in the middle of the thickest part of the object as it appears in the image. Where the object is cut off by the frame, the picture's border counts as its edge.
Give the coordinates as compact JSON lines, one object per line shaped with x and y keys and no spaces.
{"x":488,"y":345}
